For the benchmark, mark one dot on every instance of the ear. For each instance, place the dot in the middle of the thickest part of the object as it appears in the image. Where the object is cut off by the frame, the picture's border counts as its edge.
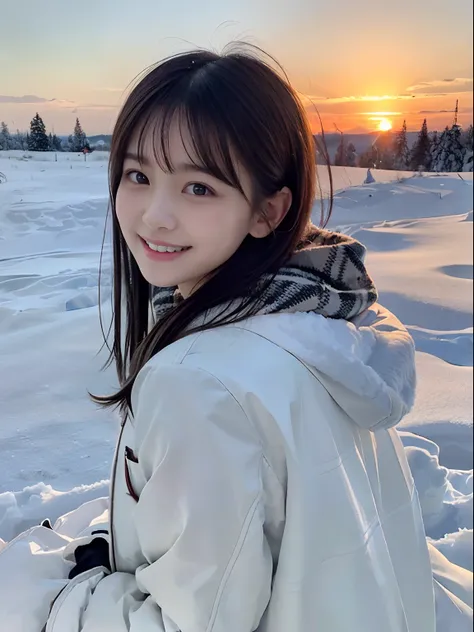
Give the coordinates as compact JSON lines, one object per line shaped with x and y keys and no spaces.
{"x":272,"y":214}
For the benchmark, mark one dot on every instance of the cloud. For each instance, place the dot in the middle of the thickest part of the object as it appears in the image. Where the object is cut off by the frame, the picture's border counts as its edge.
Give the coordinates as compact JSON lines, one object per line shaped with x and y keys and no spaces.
{"x":61,"y":104}
{"x":308,"y":99}
{"x":435,"y":111}
{"x":446,"y":86}
{"x":379,"y":113}
{"x":96,"y":106}
{"x":27,"y":98}
{"x":435,"y":88}
{"x":464,"y":110}
{"x":31,"y":99}
{"x":56,"y":104}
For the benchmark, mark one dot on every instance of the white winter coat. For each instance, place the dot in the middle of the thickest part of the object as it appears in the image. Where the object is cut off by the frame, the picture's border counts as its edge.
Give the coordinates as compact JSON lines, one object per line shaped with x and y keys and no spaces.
{"x":273,"y":493}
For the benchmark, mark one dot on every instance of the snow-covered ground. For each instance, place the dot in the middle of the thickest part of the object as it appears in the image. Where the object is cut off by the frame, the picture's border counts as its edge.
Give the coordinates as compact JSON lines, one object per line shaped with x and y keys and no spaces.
{"x":56,"y":446}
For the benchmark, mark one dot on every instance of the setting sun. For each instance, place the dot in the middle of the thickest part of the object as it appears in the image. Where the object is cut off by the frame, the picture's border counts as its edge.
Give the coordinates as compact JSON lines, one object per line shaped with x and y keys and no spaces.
{"x":385,"y":125}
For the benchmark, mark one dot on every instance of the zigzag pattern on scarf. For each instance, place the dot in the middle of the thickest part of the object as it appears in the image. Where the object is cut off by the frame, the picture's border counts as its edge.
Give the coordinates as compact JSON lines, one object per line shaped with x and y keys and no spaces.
{"x":326,"y":275}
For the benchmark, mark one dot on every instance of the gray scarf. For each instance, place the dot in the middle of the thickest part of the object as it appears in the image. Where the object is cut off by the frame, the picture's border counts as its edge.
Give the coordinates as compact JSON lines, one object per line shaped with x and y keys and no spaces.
{"x":326,"y":275}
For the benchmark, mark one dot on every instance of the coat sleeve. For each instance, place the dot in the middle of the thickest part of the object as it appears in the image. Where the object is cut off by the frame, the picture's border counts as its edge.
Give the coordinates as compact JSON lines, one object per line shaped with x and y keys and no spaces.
{"x":200,"y":517}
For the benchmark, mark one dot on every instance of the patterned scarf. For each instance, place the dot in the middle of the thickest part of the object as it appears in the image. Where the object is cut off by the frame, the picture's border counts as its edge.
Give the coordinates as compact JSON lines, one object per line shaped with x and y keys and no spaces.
{"x":326,"y":275}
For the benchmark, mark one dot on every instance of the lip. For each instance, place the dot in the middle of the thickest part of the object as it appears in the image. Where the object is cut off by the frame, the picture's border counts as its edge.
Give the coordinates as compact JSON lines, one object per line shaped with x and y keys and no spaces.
{"x":161,"y":256}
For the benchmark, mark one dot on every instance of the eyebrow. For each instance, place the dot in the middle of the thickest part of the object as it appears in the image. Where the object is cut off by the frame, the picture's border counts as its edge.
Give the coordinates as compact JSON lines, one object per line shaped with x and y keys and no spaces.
{"x":182,"y":167}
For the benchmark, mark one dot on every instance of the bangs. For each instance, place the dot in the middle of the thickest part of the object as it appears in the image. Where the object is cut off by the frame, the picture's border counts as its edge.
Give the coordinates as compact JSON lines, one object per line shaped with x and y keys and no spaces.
{"x":204,"y":138}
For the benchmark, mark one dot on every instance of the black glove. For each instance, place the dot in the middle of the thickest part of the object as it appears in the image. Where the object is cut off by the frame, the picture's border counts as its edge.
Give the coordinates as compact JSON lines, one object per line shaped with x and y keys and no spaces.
{"x":88,"y":556}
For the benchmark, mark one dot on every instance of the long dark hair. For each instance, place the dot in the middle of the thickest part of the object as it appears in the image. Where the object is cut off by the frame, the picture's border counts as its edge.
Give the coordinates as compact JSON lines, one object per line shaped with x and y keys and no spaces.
{"x":235,"y":106}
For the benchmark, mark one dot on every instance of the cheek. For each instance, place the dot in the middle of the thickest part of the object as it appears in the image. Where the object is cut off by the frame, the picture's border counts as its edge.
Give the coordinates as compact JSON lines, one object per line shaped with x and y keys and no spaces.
{"x":228,"y":226}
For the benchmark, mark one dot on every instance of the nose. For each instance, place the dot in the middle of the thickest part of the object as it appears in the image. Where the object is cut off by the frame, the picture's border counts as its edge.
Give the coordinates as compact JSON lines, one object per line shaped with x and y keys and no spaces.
{"x":159,"y":212}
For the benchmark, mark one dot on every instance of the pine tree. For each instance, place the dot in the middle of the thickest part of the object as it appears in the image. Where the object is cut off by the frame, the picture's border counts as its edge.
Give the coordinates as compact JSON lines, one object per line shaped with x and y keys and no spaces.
{"x":401,"y":150}
{"x":38,"y":140}
{"x":351,"y":155}
{"x":369,"y":158}
{"x":438,"y":149}
{"x":421,"y":152}
{"x":469,"y":138}
{"x":19,"y":141}
{"x":468,"y":161}
{"x":468,"y":149}
{"x":5,"y":137}
{"x":456,"y":156}
{"x":434,"y":143}
{"x":449,"y":155}
{"x":346,"y":155}
{"x":56,"y":143}
{"x":78,"y":142}
{"x":340,"y":160}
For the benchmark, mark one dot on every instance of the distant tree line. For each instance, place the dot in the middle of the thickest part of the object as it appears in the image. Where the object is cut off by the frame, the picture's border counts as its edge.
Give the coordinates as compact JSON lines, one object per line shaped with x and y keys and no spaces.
{"x":452,"y":150}
{"x":37,"y":139}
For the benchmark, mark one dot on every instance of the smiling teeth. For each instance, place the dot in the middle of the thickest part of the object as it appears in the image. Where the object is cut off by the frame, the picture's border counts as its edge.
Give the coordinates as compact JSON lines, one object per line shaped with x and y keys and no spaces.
{"x":164,"y":248}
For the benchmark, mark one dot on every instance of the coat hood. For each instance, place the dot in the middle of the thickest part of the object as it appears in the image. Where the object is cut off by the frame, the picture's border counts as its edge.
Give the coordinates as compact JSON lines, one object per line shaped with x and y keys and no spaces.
{"x":367,"y":364}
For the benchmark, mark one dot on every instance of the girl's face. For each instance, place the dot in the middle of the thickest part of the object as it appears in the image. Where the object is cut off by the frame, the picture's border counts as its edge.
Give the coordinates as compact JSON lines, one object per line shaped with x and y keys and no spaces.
{"x":181,"y":226}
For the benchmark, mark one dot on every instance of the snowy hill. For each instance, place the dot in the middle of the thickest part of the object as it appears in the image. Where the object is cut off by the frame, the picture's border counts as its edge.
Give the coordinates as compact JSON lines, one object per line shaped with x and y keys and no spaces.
{"x":56,"y":447}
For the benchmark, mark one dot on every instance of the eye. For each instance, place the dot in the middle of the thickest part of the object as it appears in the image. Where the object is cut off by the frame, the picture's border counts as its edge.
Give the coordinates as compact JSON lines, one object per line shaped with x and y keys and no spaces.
{"x":137,"y":177}
{"x":200,"y":190}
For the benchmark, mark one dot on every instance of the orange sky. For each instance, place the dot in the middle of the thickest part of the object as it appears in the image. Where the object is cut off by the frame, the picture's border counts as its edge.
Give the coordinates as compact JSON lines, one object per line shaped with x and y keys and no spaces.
{"x":365,"y":113}
{"x":356,"y":61}
{"x":360,"y":114}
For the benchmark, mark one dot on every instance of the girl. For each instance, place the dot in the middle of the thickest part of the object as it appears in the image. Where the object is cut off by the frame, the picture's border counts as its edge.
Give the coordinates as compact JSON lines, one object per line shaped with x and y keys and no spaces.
{"x":258,"y":481}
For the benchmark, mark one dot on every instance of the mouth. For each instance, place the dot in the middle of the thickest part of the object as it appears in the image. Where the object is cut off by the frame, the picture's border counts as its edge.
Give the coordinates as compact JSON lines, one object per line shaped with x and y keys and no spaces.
{"x":162,"y":252}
